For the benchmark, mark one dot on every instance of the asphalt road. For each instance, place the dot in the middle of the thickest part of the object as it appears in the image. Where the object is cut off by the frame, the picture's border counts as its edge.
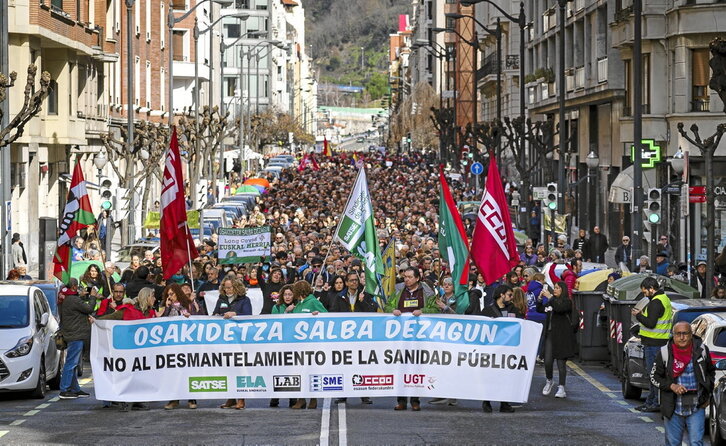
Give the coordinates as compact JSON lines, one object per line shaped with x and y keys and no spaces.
{"x":594,"y":413}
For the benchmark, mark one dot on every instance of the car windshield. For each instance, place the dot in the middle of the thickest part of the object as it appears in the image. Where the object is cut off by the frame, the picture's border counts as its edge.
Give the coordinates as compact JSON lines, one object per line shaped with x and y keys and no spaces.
{"x":690,"y":315}
{"x":14,"y":311}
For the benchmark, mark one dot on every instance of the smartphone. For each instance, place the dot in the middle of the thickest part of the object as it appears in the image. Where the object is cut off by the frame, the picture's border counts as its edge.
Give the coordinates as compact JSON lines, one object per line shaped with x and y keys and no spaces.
{"x":88,"y":289}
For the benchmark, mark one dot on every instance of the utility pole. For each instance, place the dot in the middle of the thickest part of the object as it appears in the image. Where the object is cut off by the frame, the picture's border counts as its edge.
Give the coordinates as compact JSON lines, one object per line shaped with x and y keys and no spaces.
{"x":131,"y":85}
{"x":4,"y":151}
{"x":561,"y":185}
{"x":636,"y":219}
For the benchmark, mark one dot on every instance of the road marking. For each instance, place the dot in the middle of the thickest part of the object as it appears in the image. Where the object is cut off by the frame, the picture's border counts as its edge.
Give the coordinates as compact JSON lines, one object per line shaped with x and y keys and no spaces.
{"x":633,"y":410}
{"x":325,"y":423}
{"x":17,"y":422}
{"x":43,"y":406}
{"x":84,"y":381}
{"x":3,"y":433}
{"x":660,"y":429}
{"x":53,"y":400}
{"x":342,"y":425}
{"x":597,"y":384}
{"x":30,"y":413}
{"x":611,"y":395}
{"x":622,"y":403}
{"x":646,"y":419}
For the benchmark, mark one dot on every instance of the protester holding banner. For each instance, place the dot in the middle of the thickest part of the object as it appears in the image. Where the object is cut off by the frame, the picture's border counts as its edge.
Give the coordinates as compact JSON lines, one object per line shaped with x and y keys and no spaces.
{"x":560,"y":343}
{"x":501,"y":308}
{"x":233,"y":300}
{"x":286,"y":301}
{"x":270,"y":286}
{"x":307,"y":303}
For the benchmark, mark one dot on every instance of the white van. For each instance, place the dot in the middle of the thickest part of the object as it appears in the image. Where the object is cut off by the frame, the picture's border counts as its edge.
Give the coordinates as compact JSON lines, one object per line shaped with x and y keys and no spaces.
{"x":29,"y":358}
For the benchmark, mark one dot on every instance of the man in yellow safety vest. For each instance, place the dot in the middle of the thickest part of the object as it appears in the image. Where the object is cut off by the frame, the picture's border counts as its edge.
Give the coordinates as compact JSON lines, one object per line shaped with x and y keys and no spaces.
{"x":656,"y":321}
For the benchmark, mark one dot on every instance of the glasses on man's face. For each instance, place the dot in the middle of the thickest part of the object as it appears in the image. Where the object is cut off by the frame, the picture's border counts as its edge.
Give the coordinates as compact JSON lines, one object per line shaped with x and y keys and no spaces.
{"x":684,"y":334}
{"x":626,"y":240}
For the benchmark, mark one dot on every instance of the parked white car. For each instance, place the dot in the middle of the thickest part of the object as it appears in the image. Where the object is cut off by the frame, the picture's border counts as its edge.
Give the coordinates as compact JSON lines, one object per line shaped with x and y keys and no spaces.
{"x":29,"y":359}
{"x":711,"y":328}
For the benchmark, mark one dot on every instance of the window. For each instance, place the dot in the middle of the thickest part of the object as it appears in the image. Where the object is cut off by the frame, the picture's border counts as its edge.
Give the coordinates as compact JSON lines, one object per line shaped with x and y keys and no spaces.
{"x":178,"y":45}
{"x":162,"y":88}
{"x":719,"y":339}
{"x":231,"y":85}
{"x":179,"y":4}
{"x":242,"y":4}
{"x":700,"y":73}
{"x":232,"y":30}
{"x":56,"y":4}
{"x":148,"y":84}
{"x":137,"y":79}
{"x":628,"y":65}
{"x":260,"y":5}
{"x":450,"y":23}
{"x":91,"y":12}
{"x":137,"y":17}
{"x":147,"y":20}
{"x":162,"y":27}
{"x":53,"y":98}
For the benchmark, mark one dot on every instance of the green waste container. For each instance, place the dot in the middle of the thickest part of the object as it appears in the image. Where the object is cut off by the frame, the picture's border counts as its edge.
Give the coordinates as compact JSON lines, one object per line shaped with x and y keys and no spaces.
{"x":592,"y":337}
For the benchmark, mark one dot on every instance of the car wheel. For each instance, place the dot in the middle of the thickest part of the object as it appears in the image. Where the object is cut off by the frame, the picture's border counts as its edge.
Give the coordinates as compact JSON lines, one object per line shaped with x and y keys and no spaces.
{"x":54,"y":383}
{"x":629,"y":391}
{"x":39,"y":391}
{"x":714,"y":432}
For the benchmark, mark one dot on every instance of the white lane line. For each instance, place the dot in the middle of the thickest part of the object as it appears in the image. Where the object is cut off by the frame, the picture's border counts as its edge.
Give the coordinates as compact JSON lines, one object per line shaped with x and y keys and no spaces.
{"x":43,"y":406}
{"x":342,"y":426}
{"x":660,"y":429}
{"x":2,"y":433}
{"x":325,"y":423}
{"x":84,"y":381}
{"x":646,"y":419}
{"x":17,"y":422}
{"x":53,"y":400}
{"x":30,"y":413}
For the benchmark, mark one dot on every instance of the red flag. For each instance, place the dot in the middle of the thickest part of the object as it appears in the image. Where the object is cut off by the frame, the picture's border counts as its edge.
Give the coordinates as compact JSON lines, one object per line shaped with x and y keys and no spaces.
{"x":493,"y":248}
{"x":177,"y":246}
{"x":314,"y":163}
{"x":326,"y":147}
{"x":77,"y":215}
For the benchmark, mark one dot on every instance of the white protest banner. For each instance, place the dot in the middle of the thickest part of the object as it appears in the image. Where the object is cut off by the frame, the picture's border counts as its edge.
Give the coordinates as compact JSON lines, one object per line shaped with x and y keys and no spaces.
{"x":243,"y":245}
{"x":308,"y":356}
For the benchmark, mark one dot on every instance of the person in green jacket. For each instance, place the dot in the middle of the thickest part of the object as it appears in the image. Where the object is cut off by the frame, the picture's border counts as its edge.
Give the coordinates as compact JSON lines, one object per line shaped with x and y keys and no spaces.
{"x":307,"y":303}
{"x":285,"y":301}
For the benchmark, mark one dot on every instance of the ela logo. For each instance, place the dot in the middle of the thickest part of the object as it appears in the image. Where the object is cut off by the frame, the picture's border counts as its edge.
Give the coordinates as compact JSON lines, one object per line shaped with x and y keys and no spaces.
{"x":207,"y":383}
{"x":250,"y":382}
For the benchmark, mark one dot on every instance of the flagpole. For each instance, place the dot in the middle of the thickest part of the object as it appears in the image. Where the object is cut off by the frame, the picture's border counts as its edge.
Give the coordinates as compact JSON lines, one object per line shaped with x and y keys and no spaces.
{"x":189,"y":255}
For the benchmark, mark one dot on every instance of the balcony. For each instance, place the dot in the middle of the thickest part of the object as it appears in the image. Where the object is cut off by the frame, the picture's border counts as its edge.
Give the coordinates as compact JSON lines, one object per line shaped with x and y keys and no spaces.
{"x":700,"y":105}
{"x":488,"y":67}
{"x":602,"y":70}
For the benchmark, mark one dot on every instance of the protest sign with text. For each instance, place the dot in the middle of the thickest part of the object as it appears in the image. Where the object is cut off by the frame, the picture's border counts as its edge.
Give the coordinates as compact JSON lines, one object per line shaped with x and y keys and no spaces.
{"x":243,"y":245}
{"x":308,"y":356}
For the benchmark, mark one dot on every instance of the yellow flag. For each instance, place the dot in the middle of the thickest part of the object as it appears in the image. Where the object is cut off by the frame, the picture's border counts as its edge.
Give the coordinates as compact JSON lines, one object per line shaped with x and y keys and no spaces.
{"x":388,"y":280}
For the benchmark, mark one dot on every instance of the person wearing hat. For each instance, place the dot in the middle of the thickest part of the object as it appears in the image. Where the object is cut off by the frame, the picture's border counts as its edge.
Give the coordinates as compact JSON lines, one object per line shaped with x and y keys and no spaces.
{"x":315,"y":270}
{"x":612,"y":277}
{"x":698,"y":280}
{"x":18,"y":251}
{"x":661,"y":263}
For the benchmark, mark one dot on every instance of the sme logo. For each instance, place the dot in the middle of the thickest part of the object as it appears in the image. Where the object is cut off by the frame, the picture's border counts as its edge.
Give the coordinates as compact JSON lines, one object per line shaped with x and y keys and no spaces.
{"x":372,"y":380}
{"x":207,"y":383}
{"x":323,"y":383}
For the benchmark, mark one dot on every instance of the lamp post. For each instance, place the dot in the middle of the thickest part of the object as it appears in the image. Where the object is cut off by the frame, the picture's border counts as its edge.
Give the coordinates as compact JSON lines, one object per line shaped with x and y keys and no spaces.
{"x":171,"y":21}
{"x":497,"y":33}
{"x":592,"y":161}
{"x":130,"y":87}
{"x":679,"y":164}
{"x":5,"y":194}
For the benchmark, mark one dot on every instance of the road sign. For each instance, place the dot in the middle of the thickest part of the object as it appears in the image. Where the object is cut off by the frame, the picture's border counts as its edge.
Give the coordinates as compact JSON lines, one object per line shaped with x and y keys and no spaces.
{"x":696,"y":198}
{"x":684,"y":200}
{"x":539,"y":193}
{"x":650,"y":154}
{"x":477,"y":168}
{"x":697,"y":190}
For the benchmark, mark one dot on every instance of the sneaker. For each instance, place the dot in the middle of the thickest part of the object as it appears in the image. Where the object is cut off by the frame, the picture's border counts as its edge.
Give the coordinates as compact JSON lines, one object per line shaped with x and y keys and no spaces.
{"x":438,"y":401}
{"x":548,"y":387}
{"x":453,"y":402}
{"x":561,"y":392}
{"x":68,"y":395}
{"x":539,"y":360}
{"x":82,"y":394}
{"x":366,"y":400}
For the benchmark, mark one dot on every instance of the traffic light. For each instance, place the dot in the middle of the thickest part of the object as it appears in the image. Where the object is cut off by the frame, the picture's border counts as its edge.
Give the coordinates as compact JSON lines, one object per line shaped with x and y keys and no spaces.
{"x":653,"y":206}
{"x":550,"y":200}
{"x":106,"y":195}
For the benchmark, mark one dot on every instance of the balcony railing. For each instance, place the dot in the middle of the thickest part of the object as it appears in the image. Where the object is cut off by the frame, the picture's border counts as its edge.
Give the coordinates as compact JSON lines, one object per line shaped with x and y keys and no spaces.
{"x":700,"y":105}
{"x":488,"y":67}
{"x":602,"y":70}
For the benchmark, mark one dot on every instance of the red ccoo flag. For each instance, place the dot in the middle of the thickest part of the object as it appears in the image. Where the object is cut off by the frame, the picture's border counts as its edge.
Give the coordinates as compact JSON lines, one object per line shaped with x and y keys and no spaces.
{"x":177,"y":246}
{"x":493,"y":247}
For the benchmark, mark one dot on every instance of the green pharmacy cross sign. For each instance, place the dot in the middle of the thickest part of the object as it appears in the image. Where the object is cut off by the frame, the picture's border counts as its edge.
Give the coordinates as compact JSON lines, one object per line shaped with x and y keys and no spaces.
{"x":651,"y":153}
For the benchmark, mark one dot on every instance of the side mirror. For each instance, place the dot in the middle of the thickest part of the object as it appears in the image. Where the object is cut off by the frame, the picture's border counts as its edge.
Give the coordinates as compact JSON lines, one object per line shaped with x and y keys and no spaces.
{"x":721,"y":364}
{"x":44,"y":320}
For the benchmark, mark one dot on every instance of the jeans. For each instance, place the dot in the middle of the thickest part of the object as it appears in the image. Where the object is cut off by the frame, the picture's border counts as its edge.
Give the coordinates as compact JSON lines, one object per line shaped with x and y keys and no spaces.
{"x":694,"y":423}
{"x":69,"y":377}
{"x":549,"y":361}
{"x":650,"y":352}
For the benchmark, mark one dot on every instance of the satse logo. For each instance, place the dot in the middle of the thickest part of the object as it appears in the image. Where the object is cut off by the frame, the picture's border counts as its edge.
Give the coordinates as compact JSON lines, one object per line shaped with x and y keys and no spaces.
{"x":323,"y":383}
{"x":207,"y":383}
{"x":286,"y":383}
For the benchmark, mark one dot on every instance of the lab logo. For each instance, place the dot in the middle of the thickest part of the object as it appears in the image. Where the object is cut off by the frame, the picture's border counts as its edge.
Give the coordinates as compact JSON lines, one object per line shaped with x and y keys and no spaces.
{"x":326,"y":383}
{"x":251,"y":384}
{"x":207,"y":383}
{"x":286,"y":383}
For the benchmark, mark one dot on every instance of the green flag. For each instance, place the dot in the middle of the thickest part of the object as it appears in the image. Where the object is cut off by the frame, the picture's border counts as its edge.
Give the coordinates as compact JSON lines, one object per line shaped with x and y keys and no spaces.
{"x":452,"y":244}
{"x":357,"y":233}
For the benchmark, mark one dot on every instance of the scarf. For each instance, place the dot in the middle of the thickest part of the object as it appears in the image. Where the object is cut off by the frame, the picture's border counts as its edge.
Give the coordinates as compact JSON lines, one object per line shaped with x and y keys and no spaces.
{"x":681,"y":358}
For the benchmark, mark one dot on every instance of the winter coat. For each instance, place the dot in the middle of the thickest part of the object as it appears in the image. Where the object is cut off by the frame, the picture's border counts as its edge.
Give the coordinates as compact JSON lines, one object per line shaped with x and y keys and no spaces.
{"x":74,"y":314}
{"x":597,"y":245}
{"x":570,"y":279}
{"x":267,"y":289}
{"x":662,"y":375}
{"x":240,"y":305}
{"x":558,"y":326}
{"x":341,"y":304}
{"x":534,"y":288}
{"x":308,"y":305}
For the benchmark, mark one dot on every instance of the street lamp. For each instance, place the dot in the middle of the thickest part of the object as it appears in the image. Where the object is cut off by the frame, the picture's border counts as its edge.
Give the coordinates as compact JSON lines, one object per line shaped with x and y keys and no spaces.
{"x":678,"y":162}
{"x":100,"y":161}
{"x":497,"y":33}
{"x":171,"y":21}
{"x":592,"y":160}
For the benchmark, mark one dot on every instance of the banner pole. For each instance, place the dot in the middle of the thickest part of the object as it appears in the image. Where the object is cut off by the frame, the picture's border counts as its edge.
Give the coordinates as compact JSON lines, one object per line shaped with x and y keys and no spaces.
{"x":189,"y":255}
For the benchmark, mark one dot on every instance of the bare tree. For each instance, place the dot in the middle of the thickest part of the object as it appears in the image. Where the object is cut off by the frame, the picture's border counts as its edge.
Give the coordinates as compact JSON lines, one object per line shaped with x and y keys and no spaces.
{"x":31,"y":104}
{"x":415,"y":117}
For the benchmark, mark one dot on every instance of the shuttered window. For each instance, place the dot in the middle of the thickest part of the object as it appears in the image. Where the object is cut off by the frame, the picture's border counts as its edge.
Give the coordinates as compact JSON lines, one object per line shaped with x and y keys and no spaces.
{"x":701,"y":70}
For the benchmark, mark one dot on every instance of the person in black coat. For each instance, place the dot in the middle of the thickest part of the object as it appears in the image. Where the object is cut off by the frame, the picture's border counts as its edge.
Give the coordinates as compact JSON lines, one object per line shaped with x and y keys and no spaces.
{"x":233,"y":300}
{"x":141,"y":280}
{"x":502,"y":294}
{"x":338,"y":287}
{"x":270,"y":287}
{"x":624,"y":253}
{"x":560,"y":343}
{"x":597,"y":245}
